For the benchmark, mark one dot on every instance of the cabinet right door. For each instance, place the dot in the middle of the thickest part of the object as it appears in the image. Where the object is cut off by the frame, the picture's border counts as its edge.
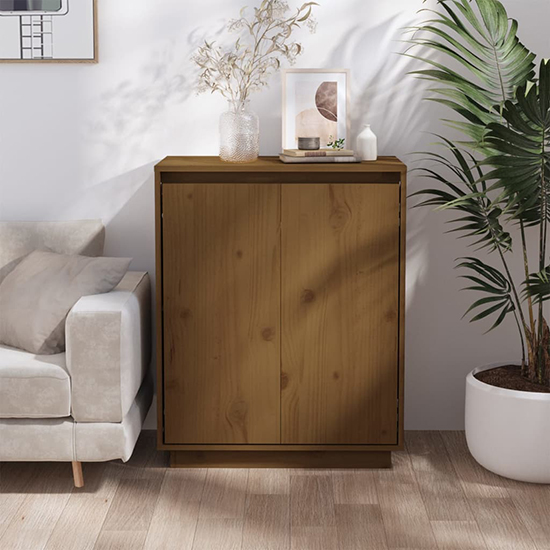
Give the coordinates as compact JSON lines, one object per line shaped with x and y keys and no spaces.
{"x":340,"y":313}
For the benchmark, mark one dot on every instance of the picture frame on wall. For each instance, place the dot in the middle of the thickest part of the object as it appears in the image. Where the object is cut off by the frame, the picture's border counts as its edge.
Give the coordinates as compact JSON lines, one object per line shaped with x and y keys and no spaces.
{"x":315,"y":104}
{"x":48,"y":31}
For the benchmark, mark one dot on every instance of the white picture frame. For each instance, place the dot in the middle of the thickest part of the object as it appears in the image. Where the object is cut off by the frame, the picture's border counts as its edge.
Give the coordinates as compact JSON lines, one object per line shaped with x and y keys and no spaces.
{"x":315,"y":101}
{"x":48,"y":31}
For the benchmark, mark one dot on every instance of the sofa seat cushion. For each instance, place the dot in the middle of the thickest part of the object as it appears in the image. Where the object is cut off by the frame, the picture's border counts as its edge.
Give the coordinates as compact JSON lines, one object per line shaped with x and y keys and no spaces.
{"x":33,"y":386}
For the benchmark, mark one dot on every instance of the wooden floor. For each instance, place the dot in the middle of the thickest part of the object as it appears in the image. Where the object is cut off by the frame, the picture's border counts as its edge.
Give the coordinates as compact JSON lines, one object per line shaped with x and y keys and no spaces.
{"x":436,"y":496}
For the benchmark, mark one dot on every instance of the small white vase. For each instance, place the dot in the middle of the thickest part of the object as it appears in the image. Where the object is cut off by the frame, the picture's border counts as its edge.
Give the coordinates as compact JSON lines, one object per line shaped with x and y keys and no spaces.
{"x":367,"y":144}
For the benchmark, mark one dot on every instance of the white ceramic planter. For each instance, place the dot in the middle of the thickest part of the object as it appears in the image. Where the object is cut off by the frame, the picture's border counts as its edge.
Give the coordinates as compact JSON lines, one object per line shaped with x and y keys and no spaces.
{"x":508,"y":432}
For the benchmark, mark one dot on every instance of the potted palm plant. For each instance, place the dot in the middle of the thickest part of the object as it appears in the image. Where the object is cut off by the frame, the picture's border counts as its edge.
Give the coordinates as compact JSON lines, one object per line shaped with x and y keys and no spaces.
{"x":496,"y":182}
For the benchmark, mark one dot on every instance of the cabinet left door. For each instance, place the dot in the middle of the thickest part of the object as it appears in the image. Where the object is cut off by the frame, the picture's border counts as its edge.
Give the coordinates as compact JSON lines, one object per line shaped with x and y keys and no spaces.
{"x":221,"y":313}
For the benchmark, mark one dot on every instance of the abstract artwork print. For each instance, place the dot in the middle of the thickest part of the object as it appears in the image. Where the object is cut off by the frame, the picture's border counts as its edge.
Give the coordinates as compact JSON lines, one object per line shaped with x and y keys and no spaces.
{"x":314,"y":105}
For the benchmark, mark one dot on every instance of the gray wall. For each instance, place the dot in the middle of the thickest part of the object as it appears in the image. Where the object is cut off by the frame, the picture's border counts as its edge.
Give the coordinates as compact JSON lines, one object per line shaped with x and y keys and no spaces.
{"x":79,"y":141}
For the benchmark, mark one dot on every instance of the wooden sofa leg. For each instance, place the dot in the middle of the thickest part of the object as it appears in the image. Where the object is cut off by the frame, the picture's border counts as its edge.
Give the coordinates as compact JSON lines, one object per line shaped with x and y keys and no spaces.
{"x":77,"y":475}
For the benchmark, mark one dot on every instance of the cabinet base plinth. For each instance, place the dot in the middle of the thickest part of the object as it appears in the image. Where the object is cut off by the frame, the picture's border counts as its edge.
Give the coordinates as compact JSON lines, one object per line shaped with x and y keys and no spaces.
{"x":280,"y":459}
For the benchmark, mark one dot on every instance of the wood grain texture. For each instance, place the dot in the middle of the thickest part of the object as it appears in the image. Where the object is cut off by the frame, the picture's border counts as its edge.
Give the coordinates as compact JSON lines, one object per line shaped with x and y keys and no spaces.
{"x":174,"y":521}
{"x":340,"y":313}
{"x":133,"y":505}
{"x":221,"y":534}
{"x":476,"y":481}
{"x":405,"y":517}
{"x":312,"y":501}
{"x":404,"y":514}
{"x":402,"y":303}
{"x":280,"y":459}
{"x":82,"y":519}
{"x":358,"y":244}
{"x":354,"y":487}
{"x":439,"y":484}
{"x":314,"y":538}
{"x":221,"y":313}
{"x":269,"y":482}
{"x":360,"y":526}
{"x":500,"y":524}
{"x":267,"y":524}
{"x":14,"y":479}
{"x":192,"y":164}
{"x":458,"y":535}
{"x":44,"y":501}
{"x":120,"y":540}
{"x":326,"y":509}
{"x":159,"y":316}
{"x":278,"y":447}
{"x":224,"y":494}
{"x":80,"y":523}
{"x":533,"y":505}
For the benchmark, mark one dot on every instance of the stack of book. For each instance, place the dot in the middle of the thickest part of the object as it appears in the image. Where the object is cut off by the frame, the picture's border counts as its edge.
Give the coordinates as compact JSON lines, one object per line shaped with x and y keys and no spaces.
{"x":296,"y":156}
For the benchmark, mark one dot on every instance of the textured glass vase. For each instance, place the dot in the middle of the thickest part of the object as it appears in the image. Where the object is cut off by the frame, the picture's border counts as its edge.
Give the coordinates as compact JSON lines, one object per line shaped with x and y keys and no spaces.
{"x":239,"y":134}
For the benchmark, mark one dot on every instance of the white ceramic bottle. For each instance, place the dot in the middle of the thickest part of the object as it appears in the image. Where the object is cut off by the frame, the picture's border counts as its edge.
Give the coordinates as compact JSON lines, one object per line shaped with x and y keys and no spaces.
{"x":367,"y":144}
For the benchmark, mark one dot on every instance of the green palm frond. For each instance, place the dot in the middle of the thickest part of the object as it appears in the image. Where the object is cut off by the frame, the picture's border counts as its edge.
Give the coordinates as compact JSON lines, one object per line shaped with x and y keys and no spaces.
{"x":464,"y":191}
{"x":490,"y":281}
{"x":537,"y":286}
{"x":521,"y":163}
{"x":484,"y":43}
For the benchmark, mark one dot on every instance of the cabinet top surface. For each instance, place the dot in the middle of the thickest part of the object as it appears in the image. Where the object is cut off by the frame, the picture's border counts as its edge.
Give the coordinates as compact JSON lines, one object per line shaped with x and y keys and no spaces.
{"x":273,"y":164}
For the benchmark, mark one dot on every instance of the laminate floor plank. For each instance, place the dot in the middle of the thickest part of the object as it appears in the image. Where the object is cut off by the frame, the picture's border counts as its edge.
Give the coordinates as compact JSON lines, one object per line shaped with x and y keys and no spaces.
{"x":266,"y":481}
{"x":36,"y":517}
{"x":314,"y":538}
{"x":219,"y":534}
{"x":80,"y":523}
{"x":120,"y":540}
{"x":224,"y":495}
{"x":174,"y":520}
{"x":360,"y":526}
{"x":311,"y":501}
{"x":267,"y":523}
{"x":435,"y":496}
{"x":476,"y":481}
{"x":405,"y":517}
{"x":501,"y":525}
{"x":15,"y":477}
{"x":133,"y":505}
{"x":458,"y":535}
{"x":533,"y":505}
{"x":354,"y":487}
{"x":439,"y":483}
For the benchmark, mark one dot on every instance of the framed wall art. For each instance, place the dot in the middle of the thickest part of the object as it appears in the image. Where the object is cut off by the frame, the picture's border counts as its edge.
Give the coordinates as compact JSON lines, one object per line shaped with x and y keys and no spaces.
{"x":48,"y":31}
{"x":315,"y":104}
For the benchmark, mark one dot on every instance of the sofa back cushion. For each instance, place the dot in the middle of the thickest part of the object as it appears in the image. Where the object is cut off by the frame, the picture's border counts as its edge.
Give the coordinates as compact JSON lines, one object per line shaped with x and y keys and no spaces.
{"x":36,"y":297}
{"x":17,"y":239}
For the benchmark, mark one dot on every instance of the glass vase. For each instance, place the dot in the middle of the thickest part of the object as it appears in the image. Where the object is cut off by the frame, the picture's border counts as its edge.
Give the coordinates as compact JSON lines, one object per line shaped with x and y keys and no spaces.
{"x":239,"y":134}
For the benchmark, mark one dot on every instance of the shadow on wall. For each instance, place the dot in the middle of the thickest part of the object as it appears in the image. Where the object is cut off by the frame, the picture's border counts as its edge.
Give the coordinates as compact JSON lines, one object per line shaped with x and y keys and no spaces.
{"x":383,"y":92}
{"x":127,"y":115}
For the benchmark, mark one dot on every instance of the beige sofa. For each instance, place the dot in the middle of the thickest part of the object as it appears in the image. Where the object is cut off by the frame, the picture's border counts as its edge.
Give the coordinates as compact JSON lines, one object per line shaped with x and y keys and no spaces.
{"x":89,"y":403}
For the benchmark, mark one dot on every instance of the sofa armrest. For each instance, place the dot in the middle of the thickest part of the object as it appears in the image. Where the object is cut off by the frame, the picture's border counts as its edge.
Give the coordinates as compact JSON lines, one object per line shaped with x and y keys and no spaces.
{"x":108,"y":340}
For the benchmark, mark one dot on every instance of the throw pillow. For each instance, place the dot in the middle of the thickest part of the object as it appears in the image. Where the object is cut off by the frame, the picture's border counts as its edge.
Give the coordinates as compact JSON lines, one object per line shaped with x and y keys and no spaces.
{"x":36,"y":297}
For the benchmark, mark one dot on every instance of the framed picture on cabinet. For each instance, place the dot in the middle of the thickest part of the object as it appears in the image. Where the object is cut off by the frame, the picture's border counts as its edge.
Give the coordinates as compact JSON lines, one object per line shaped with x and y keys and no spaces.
{"x":315,"y":104}
{"x":48,"y":31}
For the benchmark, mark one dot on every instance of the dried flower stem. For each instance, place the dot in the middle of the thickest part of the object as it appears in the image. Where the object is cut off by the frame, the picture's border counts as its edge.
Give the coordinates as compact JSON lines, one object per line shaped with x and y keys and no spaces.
{"x":247,"y":65}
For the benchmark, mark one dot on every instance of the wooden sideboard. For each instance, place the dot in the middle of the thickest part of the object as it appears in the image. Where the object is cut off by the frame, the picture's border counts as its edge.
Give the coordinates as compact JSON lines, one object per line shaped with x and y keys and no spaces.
{"x":280,"y":312}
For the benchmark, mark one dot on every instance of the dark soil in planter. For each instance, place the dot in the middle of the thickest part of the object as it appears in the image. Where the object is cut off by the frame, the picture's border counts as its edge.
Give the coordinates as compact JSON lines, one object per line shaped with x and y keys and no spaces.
{"x":510,"y":378}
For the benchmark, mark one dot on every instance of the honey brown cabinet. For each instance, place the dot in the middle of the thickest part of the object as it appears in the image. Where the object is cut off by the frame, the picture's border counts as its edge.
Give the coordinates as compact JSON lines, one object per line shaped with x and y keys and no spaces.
{"x":280,"y":309}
